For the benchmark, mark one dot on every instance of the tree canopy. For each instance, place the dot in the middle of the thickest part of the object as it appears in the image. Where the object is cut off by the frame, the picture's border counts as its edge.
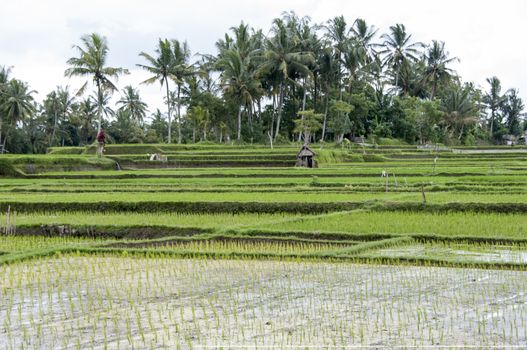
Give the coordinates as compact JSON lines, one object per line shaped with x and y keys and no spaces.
{"x":318,"y":81}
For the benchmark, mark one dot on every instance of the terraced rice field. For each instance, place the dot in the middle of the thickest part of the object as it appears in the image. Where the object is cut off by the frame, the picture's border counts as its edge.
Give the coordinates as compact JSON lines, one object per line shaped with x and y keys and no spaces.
{"x":237,"y":254}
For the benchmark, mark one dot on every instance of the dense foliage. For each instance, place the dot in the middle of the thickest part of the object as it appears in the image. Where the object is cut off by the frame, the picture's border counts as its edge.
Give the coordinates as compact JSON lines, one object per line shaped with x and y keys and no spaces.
{"x":325,"y":82}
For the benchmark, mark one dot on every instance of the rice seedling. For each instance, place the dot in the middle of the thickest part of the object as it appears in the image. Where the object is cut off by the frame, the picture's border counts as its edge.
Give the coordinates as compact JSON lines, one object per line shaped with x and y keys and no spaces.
{"x":225,"y":303}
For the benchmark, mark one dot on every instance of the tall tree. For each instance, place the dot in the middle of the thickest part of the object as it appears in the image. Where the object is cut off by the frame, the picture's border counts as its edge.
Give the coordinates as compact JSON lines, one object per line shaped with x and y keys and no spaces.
{"x":238,"y":82}
{"x":513,"y":108}
{"x":182,"y":70}
{"x":91,"y":62}
{"x":4,"y":80}
{"x":131,"y":103}
{"x":398,"y":48}
{"x":284,"y":61}
{"x":86,"y":111}
{"x":162,"y":68}
{"x":436,"y":71}
{"x":18,"y":103}
{"x":66,"y":104}
{"x":460,"y":110}
{"x":364,"y":34}
{"x":494,"y":100}
{"x":337,"y":34}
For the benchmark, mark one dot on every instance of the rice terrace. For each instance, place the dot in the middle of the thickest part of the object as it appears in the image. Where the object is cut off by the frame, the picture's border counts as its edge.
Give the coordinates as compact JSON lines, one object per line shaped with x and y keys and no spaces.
{"x":317,"y":185}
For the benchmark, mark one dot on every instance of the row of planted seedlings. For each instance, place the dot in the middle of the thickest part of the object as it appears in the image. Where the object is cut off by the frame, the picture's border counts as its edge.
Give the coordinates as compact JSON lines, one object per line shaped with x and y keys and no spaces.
{"x":118,"y":302}
{"x":357,"y":235}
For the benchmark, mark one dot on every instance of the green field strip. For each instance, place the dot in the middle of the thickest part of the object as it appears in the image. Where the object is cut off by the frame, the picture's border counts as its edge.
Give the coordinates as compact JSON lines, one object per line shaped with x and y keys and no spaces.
{"x":361,"y":248}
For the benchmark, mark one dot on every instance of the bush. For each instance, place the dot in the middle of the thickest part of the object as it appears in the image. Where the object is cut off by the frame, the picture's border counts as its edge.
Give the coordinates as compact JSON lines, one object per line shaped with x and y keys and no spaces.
{"x":373,"y":158}
{"x":355,"y":158}
{"x":385,"y":141}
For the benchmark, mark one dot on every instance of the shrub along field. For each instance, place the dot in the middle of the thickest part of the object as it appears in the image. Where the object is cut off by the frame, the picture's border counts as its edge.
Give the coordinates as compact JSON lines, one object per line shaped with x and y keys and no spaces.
{"x":374,"y":211}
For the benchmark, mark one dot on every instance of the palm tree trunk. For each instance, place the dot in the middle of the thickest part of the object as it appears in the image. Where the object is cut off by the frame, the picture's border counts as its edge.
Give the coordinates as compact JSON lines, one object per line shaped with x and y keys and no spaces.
{"x":303,"y":107}
{"x":397,"y":77}
{"x":53,"y":131}
{"x":434,"y":87}
{"x":179,"y":113}
{"x":325,"y":118}
{"x":168,"y":113}
{"x":280,"y":109}
{"x":491,"y":123}
{"x":315,"y":92}
{"x":239,"y":123}
{"x":6,"y":135}
{"x":99,"y":106}
{"x":271,"y":127}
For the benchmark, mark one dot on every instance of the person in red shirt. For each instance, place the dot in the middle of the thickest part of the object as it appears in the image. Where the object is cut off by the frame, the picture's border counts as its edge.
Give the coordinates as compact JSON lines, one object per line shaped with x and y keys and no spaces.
{"x":101,"y":140}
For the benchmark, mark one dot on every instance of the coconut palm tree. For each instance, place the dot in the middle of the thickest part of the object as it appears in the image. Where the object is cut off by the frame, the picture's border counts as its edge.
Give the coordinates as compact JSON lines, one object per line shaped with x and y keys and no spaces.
{"x":359,"y":54}
{"x":494,"y":100}
{"x":131,"y":102}
{"x":17,"y":103}
{"x":66,"y":104}
{"x":363,"y":34}
{"x":162,"y":68}
{"x":327,"y":69}
{"x":86,"y":111}
{"x":91,"y":62}
{"x":181,"y":71}
{"x":337,"y":34}
{"x":460,"y":110}
{"x":4,"y":79}
{"x":284,"y":61}
{"x":436,"y":71}
{"x":238,"y":82}
{"x":51,"y":109}
{"x":513,"y":109}
{"x":398,"y":48}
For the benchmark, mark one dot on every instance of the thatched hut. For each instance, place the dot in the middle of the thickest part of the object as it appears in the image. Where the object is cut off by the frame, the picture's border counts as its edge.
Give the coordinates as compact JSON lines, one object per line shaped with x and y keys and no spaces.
{"x":306,"y":157}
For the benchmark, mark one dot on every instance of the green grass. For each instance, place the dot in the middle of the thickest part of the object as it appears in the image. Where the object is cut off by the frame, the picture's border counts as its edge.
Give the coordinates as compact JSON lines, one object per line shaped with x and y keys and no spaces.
{"x":17,"y":244}
{"x":69,"y":178}
{"x":145,"y":219}
{"x":512,"y":226}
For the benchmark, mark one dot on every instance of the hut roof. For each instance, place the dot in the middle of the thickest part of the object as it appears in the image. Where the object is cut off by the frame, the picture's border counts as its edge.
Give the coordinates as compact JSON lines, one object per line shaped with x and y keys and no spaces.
{"x":305,"y":151}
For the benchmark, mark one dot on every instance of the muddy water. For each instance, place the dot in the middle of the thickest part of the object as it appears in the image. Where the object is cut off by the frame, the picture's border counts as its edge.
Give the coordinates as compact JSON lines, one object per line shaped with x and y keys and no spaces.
{"x":120,"y":303}
{"x":494,"y":254}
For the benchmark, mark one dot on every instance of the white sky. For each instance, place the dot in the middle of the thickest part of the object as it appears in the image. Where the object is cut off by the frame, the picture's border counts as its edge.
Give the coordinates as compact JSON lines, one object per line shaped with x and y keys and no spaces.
{"x":36,"y":36}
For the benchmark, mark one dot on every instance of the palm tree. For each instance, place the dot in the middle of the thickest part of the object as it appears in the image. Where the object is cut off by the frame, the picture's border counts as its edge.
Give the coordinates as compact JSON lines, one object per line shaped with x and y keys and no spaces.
{"x":182,"y":70}
{"x":131,"y":103}
{"x":337,"y":34}
{"x":91,"y":62}
{"x":436,"y":71}
{"x":4,"y":80}
{"x":171,"y":63}
{"x":513,"y":111}
{"x":248,"y":43}
{"x":86,"y":111}
{"x":327,"y":68}
{"x":412,"y":79}
{"x":283,"y":60}
{"x":51,"y":112}
{"x":494,"y":100}
{"x":17,"y":104}
{"x":460,"y":110}
{"x":363,"y":34}
{"x":66,"y":104}
{"x":162,"y":68}
{"x":398,"y":48}
{"x":359,"y":54}
{"x":237,"y":82}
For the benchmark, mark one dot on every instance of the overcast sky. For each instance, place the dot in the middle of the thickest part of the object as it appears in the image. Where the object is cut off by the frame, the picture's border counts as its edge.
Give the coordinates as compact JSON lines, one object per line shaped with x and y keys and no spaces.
{"x":36,"y":36}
